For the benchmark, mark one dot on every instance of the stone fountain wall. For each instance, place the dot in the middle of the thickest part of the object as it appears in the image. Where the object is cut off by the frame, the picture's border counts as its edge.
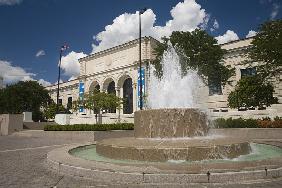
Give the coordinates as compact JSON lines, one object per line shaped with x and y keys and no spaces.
{"x":170,"y":123}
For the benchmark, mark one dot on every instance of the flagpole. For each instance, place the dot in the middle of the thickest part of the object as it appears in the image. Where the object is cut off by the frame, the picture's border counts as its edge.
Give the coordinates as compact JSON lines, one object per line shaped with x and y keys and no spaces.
{"x":59,"y":77}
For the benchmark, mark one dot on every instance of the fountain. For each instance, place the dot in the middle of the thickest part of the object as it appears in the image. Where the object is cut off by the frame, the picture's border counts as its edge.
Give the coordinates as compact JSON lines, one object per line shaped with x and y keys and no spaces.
{"x":172,"y":142}
{"x":167,"y":133}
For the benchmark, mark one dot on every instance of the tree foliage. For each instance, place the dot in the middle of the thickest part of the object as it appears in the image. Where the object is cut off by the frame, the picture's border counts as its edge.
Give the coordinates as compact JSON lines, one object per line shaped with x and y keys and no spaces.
{"x":250,"y":92}
{"x":98,"y":101}
{"x":24,"y":96}
{"x":199,"y":51}
{"x":51,"y":110}
{"x":266,"y":49}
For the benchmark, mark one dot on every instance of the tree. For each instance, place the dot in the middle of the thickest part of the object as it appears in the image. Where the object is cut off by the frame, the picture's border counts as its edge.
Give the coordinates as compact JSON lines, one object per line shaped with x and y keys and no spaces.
{"x":266,"y":50}
{"x":99,"y":101}
{"x":251,"y":91}
{"x":51,"y":110}
{"x":199,"y":51}
{"x":24,"y":96}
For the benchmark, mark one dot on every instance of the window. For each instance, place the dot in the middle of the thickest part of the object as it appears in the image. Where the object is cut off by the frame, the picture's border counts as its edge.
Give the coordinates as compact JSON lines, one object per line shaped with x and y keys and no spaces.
{"x":60,"y":101}
{"x":248,"y":72}
{"x":69,"y":105}
{"x":215,"y":88}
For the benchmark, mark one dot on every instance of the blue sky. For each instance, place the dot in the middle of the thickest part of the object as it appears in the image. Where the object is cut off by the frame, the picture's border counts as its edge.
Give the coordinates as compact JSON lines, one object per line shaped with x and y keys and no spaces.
{"x":32,"y":31}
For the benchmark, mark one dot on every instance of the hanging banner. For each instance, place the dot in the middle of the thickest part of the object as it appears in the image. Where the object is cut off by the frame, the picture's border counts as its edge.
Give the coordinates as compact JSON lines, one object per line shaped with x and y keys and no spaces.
{"x":81,"y":95}
{"x":143,"y":85}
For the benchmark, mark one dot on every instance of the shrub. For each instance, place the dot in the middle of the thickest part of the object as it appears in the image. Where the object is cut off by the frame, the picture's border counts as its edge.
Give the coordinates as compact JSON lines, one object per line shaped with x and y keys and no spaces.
{"x":90,"y":127}
{"x":235,"y":123}
{"x":248,"y":123}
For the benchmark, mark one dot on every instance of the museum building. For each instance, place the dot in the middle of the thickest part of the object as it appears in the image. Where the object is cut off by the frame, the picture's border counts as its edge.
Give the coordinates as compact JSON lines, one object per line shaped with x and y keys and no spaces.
{"x":115,"y":70}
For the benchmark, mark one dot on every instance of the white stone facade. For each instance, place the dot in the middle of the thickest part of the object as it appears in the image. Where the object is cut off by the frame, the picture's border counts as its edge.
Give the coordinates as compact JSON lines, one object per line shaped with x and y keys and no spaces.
{"x":120,"y":63}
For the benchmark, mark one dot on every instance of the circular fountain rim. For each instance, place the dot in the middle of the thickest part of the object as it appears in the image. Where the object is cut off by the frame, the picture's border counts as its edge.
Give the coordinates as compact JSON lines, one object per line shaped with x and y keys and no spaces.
{"x":63,"y":162}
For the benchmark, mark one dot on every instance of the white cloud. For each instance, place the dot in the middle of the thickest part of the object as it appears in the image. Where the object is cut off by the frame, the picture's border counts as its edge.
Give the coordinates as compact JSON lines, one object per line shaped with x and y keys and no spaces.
{"x":70,"y":63}
{"x":251,"y":34}
{"x":227,"y":37}
{"x":10,"y":2}
{"x":186,"y":16}
{"x":275,"y":10}
{"x":40,"y":53}
{"x":43,"y":82}
{"x":72,"y":78}
{"x":12,"y":74}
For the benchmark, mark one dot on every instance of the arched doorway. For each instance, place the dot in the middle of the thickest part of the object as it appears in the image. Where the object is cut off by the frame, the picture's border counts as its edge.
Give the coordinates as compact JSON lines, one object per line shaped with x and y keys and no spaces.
{"x":128,"y":96}
{"x":97,"y":87}
{"x":111,"y":89}
{"x":94,"y":86}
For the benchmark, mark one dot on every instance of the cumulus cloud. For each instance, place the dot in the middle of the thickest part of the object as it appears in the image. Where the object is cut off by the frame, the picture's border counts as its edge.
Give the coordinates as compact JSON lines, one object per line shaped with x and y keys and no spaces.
{"x":275,"y":10}
{"x":12,"y":74}
{"x":40,"y":53}
{"x":227,"y":37}
{"x":251,"y":34}
{"x":186,"y":16}
{"x":43,"y":82}
{"x":10,"y":2}
{"x":70,"y":63}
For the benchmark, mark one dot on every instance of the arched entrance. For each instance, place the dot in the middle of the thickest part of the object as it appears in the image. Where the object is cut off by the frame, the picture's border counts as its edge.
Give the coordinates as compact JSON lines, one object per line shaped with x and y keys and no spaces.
{"x":94,"y":86}
{"x":128,"y":96}
{"x":111,"y":89}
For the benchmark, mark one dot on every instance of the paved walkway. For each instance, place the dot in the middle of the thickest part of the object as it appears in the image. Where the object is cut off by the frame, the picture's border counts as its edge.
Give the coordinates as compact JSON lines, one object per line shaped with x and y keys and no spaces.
{"x":22,"y":164}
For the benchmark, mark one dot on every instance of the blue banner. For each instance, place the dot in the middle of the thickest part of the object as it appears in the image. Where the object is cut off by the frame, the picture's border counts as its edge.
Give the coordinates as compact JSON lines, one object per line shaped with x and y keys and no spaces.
{"x":143,"y":85}
{"x":81,"y":95}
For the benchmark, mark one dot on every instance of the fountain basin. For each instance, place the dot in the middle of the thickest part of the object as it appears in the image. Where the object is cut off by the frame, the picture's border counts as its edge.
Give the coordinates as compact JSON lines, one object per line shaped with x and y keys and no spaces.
{"x":164,"y":150}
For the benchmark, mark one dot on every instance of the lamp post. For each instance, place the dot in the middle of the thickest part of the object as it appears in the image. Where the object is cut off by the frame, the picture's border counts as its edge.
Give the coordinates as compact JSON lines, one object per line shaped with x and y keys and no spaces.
{"x":63,"y":48}
{"x":140,"y":63}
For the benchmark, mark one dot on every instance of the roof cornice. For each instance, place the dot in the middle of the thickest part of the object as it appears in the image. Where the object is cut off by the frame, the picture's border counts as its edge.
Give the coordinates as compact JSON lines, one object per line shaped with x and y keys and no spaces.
{"x":118,"y":47}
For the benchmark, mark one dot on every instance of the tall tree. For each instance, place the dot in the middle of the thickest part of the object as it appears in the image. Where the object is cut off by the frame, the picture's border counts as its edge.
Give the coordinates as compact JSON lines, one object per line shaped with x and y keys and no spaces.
{"x":24,"y":96}
{"x":197,"y":50}
{"x":266,"y":50}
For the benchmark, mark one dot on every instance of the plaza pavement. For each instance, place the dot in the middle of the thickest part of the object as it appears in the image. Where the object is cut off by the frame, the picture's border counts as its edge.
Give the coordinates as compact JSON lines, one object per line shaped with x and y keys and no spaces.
{"x":22,"y":164}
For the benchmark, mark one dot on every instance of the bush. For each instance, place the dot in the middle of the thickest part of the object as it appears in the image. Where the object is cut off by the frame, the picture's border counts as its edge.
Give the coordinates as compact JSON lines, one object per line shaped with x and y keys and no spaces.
{"x":248,"y":123}
{"x":235,"y":123}
{"x":90,"y":127}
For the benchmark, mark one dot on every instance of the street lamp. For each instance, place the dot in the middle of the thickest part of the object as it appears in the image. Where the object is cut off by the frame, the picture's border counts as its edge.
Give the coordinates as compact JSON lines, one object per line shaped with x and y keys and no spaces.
{"x":140,"y":63}
{"x":63,"y":48}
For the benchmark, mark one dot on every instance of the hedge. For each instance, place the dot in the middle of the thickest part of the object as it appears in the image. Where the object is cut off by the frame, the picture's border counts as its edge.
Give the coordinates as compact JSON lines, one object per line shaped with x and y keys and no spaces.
{"x":248,"y":123}
{"x":90,"y":127}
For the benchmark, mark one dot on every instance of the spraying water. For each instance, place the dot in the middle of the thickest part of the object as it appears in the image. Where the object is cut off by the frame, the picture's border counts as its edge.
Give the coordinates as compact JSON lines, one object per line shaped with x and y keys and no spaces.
{"x":174,"y":90}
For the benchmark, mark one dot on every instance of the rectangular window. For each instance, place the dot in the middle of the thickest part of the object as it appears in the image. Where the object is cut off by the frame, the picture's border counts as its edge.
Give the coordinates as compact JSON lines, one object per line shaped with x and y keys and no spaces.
{"x":69,"y":105}
{"x":248,"y":72}
{"x":215,"y":88}
{"x":60,"y":101}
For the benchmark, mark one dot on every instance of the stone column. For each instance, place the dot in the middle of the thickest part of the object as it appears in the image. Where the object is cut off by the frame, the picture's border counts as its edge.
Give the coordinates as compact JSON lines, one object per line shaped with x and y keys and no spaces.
{"x":119,"y":93}
{"x":135,"y":102}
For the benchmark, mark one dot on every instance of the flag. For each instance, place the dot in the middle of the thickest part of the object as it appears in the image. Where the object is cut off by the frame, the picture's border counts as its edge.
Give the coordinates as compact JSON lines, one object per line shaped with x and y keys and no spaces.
{"x":64,"y":47}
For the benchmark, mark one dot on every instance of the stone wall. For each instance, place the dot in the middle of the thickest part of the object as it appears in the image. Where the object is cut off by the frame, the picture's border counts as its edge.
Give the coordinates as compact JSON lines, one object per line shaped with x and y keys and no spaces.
{"x":36,"y":125}
{"x":76,"y":136}
{"x":10,"y":123}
